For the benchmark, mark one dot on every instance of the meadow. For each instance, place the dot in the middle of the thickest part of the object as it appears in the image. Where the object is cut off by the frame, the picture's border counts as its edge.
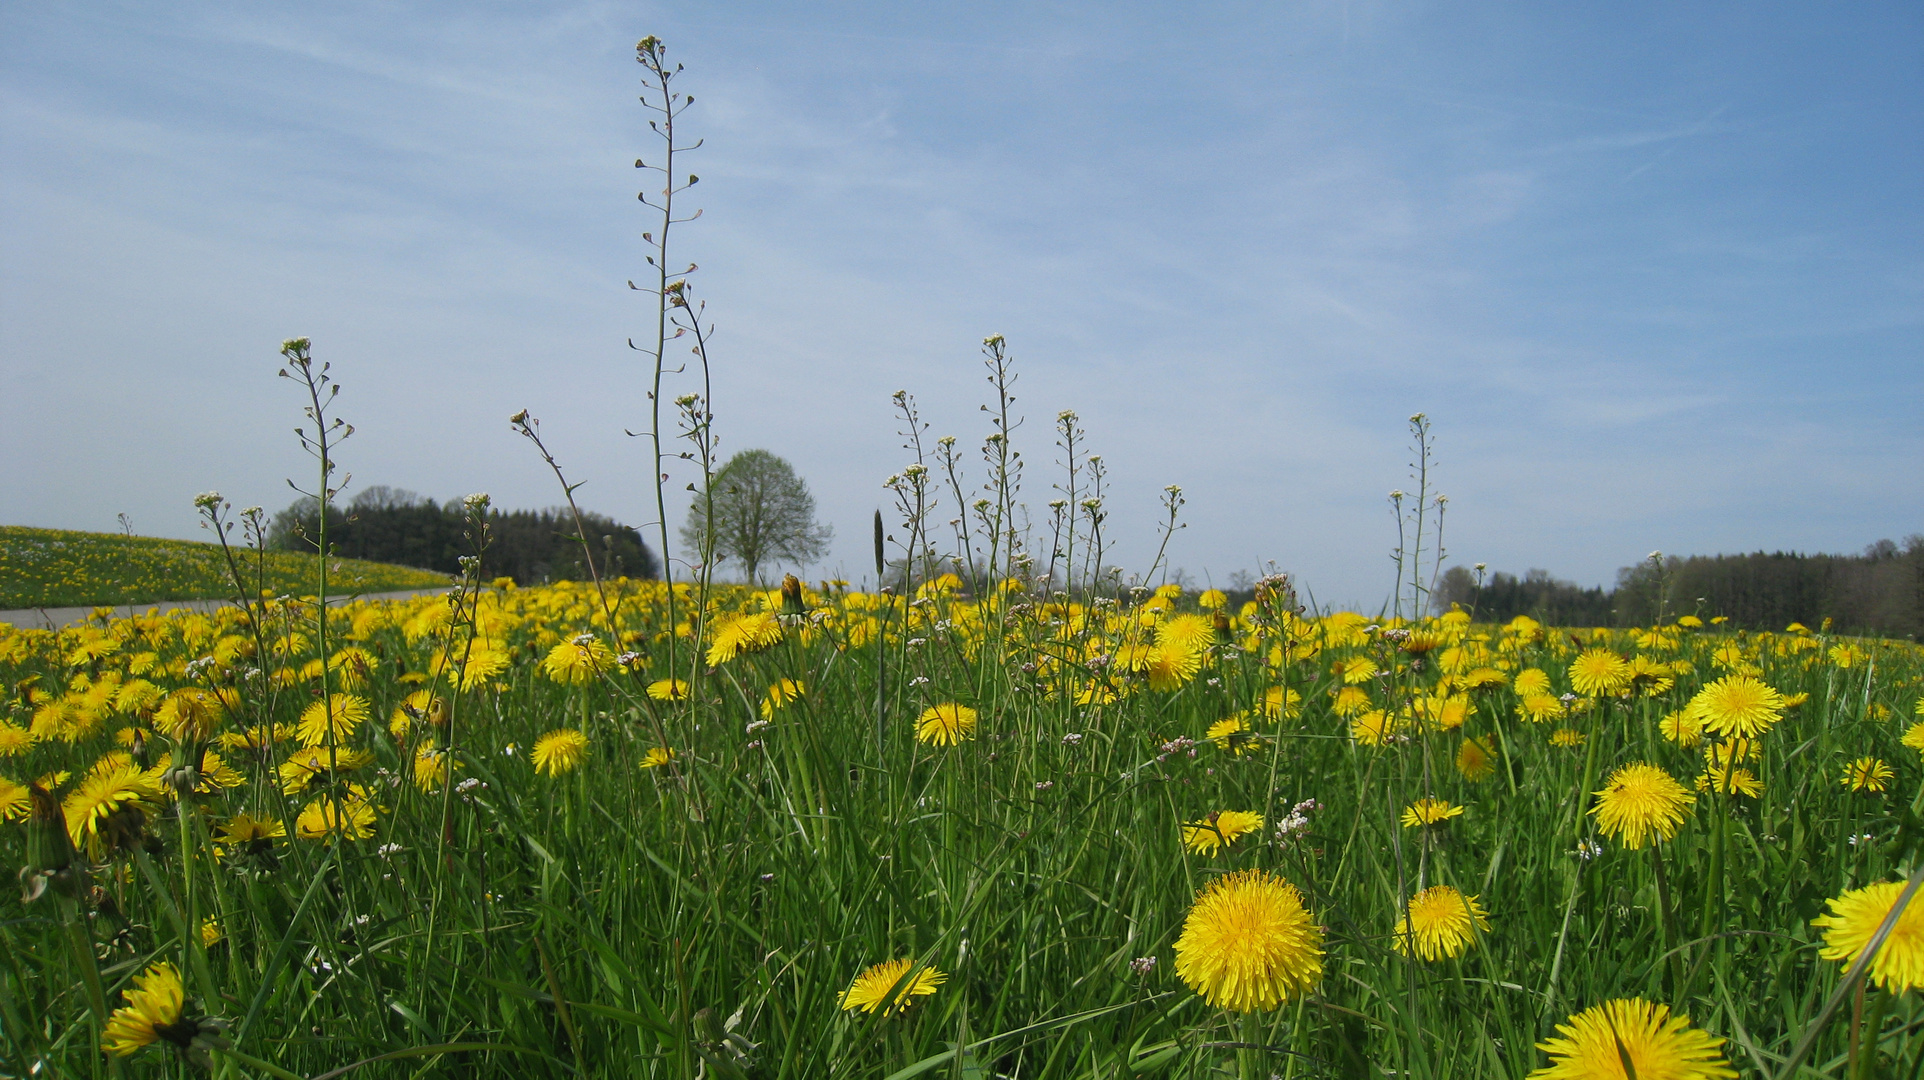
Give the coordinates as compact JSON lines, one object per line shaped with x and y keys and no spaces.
{"x":1012,"y":815}
{"x":65,"y":568}
{"x":573,"y":830}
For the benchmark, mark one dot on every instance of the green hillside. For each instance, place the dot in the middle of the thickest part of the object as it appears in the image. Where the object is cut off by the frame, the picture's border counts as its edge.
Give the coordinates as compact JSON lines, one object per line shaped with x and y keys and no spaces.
{"x":61,"y":568}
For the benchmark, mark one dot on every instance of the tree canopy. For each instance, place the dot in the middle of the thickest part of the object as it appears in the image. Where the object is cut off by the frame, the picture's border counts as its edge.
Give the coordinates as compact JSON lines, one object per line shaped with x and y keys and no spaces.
{"x":763,"y":513}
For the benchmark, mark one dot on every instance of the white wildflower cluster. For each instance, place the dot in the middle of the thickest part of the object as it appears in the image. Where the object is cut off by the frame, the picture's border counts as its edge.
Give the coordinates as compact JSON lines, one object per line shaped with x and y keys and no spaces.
{"x":1589,"y":849}
{"x":1143,"y":965}
{"x":1177,"y":745}
{"x":1295,"y":823}
{"x":1074,"y":738}
{"x":582,"y":639}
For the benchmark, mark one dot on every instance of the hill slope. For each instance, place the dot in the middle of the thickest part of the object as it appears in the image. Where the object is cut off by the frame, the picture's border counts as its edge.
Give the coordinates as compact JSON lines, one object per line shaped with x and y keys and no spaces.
{"x":62,"y":568}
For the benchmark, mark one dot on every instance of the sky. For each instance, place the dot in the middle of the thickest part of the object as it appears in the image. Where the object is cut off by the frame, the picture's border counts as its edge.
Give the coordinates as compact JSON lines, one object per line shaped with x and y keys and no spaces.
{"x":1654,"y":272}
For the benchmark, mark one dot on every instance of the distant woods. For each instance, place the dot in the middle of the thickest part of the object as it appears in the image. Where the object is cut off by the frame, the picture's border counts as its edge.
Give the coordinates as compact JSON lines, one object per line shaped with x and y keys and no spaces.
{"x":389,"y":525}
{"x":1879,"y":593}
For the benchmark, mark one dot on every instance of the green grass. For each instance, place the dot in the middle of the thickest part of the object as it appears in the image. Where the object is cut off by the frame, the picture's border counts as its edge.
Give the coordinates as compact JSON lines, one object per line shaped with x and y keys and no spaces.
{"x":63,"y":568}
{"x":587,"y":920}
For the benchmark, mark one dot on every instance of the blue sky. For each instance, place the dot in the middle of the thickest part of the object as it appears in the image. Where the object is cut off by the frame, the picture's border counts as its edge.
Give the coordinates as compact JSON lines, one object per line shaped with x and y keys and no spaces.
{"x":1653,"y":270}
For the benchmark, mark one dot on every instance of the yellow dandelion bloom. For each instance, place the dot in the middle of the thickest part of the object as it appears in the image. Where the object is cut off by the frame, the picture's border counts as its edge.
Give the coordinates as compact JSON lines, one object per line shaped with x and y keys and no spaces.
{"x":1219,"y":830}
{"x":1475,"y":760}
{"x":1867,"y":774}
{"x":779,"y":696}
{"x":1429,"y":812}
{"x":1599,"y":673}
{"x":152,"y":1012}
{"x":884,"y":986}
{"x":14,"y":801}
{"x":1172,"y":664}
{"x":1737,"y":705}
{"x":1212,"y":600}
{"x":559,"y":751}
{"x":1640,"y":802}
{"x":1190,"y":633}
{"x":743,"y":635}
{"x":1540,"y":708}
{"x":1356,"y":671}
{"x":577,"y":662}
{"x":340,"y":713}
{"x":108,"y":804}
{"x":327,"y":817}
{"x":1632,"y":1037}
{"x":1280,"y":702}
{"x":1232,"y":735}
{"x":946,"y":725}
{"x":1440,"y":922}
{"x":1855,"y":916}
{"x":1730,"y":781}
{"x":210,"y":932}
{"x":1913,"y":738}
{"x":668,"y":689}
{"x":1350,"y":700}
{"x":1248,"y":944}
{"x":1374,"y":728}
{"x":304,"y":767}
{"x":657,"y":756}
{"x":1682,"y":727}
{"x":1567,"y":738}
{"x":242,"y":830}
{"x":15,"y":740}
{"x":1531,"y":682}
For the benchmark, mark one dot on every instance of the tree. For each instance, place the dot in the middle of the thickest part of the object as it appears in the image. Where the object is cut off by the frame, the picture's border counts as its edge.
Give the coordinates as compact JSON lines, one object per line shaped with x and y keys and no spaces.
{"x":763,"y":513}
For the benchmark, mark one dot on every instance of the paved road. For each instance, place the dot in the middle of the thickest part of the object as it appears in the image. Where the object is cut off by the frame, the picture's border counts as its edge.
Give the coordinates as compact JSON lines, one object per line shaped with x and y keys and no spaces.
{"x":56,"y":618}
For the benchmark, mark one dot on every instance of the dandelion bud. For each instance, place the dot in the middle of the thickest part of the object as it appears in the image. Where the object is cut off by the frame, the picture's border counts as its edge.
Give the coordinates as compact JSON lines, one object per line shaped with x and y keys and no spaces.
{"x":792,"y":595}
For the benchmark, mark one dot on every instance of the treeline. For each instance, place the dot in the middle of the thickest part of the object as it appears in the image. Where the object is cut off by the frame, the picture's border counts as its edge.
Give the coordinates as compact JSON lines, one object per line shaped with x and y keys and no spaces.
{"x":391,"y":525}
{"x":1878,"y":593}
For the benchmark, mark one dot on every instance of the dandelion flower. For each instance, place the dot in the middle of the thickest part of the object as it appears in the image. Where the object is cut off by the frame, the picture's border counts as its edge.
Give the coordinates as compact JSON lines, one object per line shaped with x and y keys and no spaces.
{"x":304,"y":767}
{"x":1540,"y":708}
{"x":1867,"y":774}
{"x":1531,"y":682}
{"x":882,"y":986}
{"x":15,"y":739}
{"x":1737,"y":705}
{"x":108,"y":804}
{"x":1913,"y":738}
{"x":1599,"y":673}
{"x":779,"y":696}
{"x":668,"y":689}
{"x":1640,"y":802}
{"x":351,"y":816}
{"x":1280,"y":702}
{"x":340,"y":713}
{"x":1248,"y":944}
{"x":1632,"y":1037}
{"x":946,"y":725}
{"x":1682,"y":727}
{"x":1441,"y":922}
{"x":1232,"y":735}
{"x":743,"y":635}
{"x":1350,"y":700}
{"x":152,"y":1012}
{"x":1475,"y":761}
{"x":1730,"y":781}
{"x":1219,"y":830}
{"x":1429,"y":812}
{"x":577,"y":662}
{"x":657,"y":756}
{"x":1172,"y":664}
{"x":1190,"y":633}
{"x":1373,"y":728}
{"x":1855,"y":916}
{"x":1567,"y":738}
{"x":242,"y":830}
{"x":559,"y":751}
{"x":210,"y":932}
{"x":14,"y":802}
